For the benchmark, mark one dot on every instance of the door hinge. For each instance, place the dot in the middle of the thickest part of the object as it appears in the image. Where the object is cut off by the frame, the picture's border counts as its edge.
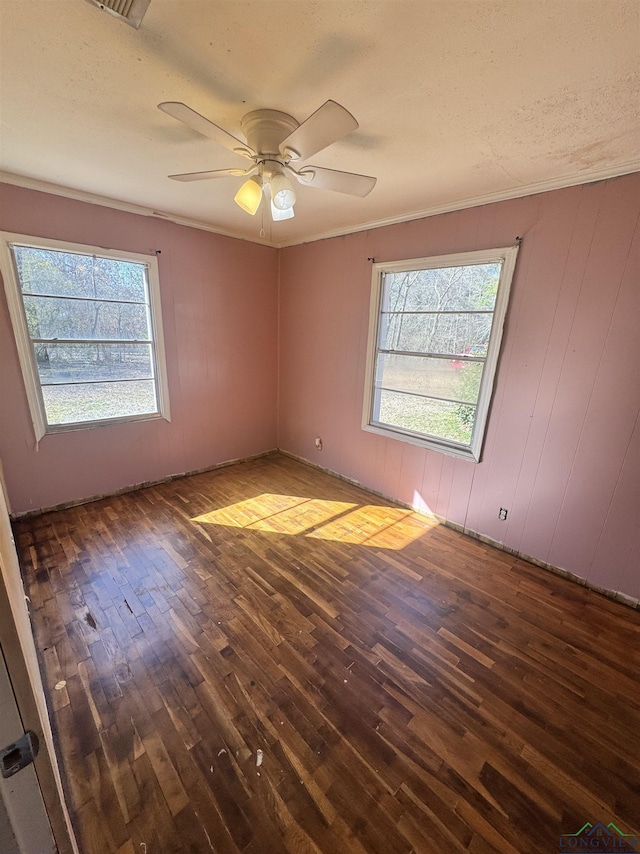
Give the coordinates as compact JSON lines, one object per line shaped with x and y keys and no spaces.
{"x":14,"y":757}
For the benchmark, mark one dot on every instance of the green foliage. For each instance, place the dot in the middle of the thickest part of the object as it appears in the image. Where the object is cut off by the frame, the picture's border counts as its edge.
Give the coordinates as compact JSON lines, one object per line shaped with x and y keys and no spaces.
{"x":468,"y":388}
{"x":445,"y":312}
{"x":69,"y":404}
{"x":432,"y":418}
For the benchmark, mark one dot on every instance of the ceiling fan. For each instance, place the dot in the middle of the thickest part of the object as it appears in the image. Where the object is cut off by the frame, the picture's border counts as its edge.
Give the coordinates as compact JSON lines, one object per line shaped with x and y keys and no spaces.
{"x":274,"y":141}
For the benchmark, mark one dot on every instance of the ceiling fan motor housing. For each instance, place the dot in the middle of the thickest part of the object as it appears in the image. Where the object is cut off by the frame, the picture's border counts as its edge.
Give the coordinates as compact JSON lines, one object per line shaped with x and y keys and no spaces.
{"x":266,"y":129}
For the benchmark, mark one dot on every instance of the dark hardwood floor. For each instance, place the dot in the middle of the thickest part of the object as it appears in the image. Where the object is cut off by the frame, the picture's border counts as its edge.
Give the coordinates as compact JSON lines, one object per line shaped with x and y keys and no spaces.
{"x":410,"y":689}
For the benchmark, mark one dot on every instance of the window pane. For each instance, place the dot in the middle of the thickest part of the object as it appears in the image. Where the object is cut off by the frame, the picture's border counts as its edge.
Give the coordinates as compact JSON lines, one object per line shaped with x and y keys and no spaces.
{"x":452,"y":421}
{"x":124,"y":280}
{"x":68,"y":404}
{"x":457,"y":334}
{"x":471,"y":288}
{"x":65,"y":318}
{"x":69,"y":363}
{"x":437,"y":377}
{"x":48,"y":271}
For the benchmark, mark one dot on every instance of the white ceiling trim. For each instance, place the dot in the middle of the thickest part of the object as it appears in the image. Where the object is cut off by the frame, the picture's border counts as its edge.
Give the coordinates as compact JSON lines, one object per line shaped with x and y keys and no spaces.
{"x":116,"y":204}
{"x":587,"y":177}
{"x":487,"y":199}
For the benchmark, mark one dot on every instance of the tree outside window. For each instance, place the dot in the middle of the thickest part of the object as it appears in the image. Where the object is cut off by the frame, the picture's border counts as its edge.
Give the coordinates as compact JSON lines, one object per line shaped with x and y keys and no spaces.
{"x":88,"y":331}
{"x":433,"y":348}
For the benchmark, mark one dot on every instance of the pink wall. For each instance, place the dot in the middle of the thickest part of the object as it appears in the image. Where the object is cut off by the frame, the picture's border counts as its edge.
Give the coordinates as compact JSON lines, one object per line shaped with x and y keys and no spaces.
{"x":563,"y":444}
{"x":219,"y":306}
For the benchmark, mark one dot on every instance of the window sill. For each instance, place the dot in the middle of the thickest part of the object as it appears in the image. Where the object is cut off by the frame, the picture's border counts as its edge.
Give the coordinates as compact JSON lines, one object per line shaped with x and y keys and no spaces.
{"x":107,"y":422}
{"x":463,"y":452}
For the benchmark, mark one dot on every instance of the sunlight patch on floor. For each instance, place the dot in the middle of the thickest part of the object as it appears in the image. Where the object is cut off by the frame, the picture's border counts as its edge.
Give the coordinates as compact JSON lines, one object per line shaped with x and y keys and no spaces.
{"x":375,"y":526}
{"x":276,"y":514}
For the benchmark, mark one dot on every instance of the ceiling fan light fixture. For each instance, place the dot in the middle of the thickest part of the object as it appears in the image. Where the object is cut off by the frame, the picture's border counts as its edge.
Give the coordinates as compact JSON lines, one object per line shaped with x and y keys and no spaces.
{"x":278,"y":215}
{"x":273,"y":141}
{"x":283,"y":195}
{"x":249,"y":195}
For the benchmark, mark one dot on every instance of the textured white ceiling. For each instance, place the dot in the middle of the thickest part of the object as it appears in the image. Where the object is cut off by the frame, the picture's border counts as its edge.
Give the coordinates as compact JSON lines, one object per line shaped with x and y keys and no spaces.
{"x":457,"y":100}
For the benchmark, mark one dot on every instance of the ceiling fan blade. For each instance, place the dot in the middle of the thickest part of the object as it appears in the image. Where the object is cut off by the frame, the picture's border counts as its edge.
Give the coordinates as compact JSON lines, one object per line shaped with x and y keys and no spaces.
{"x":215,"y":173}
{"x":330,"y":179}
{"x":195,"y":121}
{"x":329,"y":123}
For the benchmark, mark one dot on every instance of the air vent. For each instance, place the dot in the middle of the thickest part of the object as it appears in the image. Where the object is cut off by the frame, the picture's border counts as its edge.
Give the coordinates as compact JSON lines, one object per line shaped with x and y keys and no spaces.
{"x":131,"y":11}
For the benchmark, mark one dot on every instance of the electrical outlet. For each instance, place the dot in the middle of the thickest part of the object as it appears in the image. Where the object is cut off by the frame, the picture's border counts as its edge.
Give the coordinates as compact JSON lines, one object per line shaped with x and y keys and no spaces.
{"x":502,"y":515}
{"x":318,"y":443}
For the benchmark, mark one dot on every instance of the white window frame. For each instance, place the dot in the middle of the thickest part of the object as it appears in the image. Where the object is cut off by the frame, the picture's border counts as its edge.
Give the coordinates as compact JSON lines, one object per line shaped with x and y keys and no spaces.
{"x":507,"y":258}
{"x":26,"y":352}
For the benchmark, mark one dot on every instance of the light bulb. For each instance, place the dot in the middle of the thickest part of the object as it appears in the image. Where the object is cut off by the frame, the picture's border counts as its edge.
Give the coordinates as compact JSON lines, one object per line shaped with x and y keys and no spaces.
{"x":249,"y":195}
{"x":282,"y":192}
{"x":277,"y":215}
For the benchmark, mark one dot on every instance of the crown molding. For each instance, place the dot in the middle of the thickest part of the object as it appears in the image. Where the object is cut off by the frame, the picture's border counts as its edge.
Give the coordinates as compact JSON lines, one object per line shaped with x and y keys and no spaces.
{"x":460,"y":204}
{"x":119,"y":205}
{"x":477,"y":201}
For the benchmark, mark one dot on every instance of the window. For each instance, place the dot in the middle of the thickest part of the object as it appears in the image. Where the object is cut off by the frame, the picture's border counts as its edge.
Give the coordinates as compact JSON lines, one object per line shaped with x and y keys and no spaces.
{"x":87,"y":325}
{"x":434,"y":340}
